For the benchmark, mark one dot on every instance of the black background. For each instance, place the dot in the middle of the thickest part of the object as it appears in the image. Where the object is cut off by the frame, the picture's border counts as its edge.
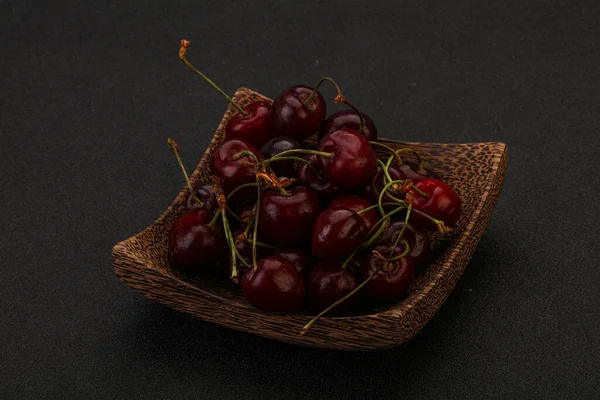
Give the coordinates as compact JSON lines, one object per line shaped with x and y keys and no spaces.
{"x":90,"y":91}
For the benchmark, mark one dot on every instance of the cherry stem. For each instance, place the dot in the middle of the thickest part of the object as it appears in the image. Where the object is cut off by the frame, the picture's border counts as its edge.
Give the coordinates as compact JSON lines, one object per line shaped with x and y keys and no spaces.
{"x":385,"y":189}
{"x":242,"y":259}
{"x":182,"y":50}
{"x":399,"y":237}
{"x":440,"y":224}
{"x":175,"y":147}
{"x":290,"y":158}
{"x":255,"y":235}
{"x":299,"y":151}
{"x":364,"y":210}
{"x":239,"y":155}
{"x":306,"y":327}
{"x":417,"y":156}
{"x":261,"y":244}
{"x":323,"y":79}
{"x":385,"y":146}
{"x":245,"y":185}
{"x":232,"y":248}
{"x":215,"y":219}
{"x":234,"y":215}
{"x":385,"y":168}
{"x":360,"y":117}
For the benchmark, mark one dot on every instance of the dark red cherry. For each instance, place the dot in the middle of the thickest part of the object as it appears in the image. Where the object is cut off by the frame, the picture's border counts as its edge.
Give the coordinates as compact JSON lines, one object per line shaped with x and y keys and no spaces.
{"x":193,"y":244}
{"x":392,"y":281}
{"x":356,"y":204}
{"x":420,"y":248}
{"x":297,"y":258}
{"x":327,"y":283}
{"x":411,"y":169}
{"x":274,"y":286}
{"x":254,"y":127}
{"x":204,"y":192}
{"x":337,"y":232}
{"x":232,"y":171}
{"x":353,"y":163}
{"x":290,"y":116}
{"x":315,"y":180}
{"x":373,"y":189}
{"x":278,"y":145}
{"x":245,"y":250}
{"x":287,"y":219}
{"x":348,"y":119}
{"x":442,"y":203}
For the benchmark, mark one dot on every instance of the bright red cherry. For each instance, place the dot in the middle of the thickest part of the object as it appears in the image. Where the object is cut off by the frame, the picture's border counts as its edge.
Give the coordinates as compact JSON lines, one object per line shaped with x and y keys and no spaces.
{"x":232,"y":168}
{"x":353,"y":163}
{"x":287,"y":219}
{"x":348,"y":119}
{"x":307,"y":175}
{"x":442,"y":203}
{"x":327,"y":283}
{"x":254,"y":127}
{"x":337,"y":232}
{"x":193,"y":244}
{"x":392,"y":280}
{"x":204,"y":192}
{"x":420,"y":248}
{"x":278,"y":145}
{"x":356,"y":204}
{"x":274,"y":286}
{"x":292,"y":116}
{"x":297,"y":258}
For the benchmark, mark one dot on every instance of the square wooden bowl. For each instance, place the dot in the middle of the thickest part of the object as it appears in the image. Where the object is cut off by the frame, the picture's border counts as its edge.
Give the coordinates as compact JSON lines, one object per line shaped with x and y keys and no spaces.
{"x":475,"y":170}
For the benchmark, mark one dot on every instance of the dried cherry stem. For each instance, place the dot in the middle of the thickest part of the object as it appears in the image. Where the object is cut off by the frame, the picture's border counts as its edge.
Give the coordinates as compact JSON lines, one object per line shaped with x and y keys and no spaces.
{"x":255,"y":235}
{"x":323,"y":79}
{"x":175,"y":147}
{"x":306,"y":327}
{"x":182,"y":50}
{"x":298,"y":151}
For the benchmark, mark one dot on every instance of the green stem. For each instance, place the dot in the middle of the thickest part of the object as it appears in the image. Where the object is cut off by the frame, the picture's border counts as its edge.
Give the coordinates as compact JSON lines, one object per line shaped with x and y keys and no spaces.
{"x":261,"y":244}
{"x":299,"y":151}
{"x":255,"y":235}
{"x":325,"y":78}
{"x":440,"y":224}
{"x":385,"y":146}
{"x":364,"y":210}
{"x":232,"y":248}
{"x":360,"y":117}
{"x":245,"y":185}
{"x":209,"y":81}
{"x":239,"y":155}
{"x":291,"y":158}
{"x":215,"y":219}
{"x":173,"y":145}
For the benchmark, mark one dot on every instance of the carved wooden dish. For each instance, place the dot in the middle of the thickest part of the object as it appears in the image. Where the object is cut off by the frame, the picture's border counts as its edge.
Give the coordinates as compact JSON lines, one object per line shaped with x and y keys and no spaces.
{"x":475,"y":170}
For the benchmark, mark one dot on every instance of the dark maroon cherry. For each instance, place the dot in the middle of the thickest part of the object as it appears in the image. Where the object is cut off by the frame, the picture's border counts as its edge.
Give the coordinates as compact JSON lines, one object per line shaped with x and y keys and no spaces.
{"x":274,"y":286}
{"x":278,"y":145}
{"x":254,"y":127}
{"x":356,"y":204}
{"x":193,"y":244}
{"x":420,"y":248}
{"x":287,"y":219}
{"x":353,"y":163}
{"x":245,"y":250}
{"x":204,"y":193}
{"x":373,"y":189}
{"x":315,"y":180}
{"x":297,"y":258}
{"x":392,"y":280}
{"x":337,"y":232}
{"x":411,"y":169}
{"x":231,"y":169}
{"x":348,"y":119}
{"x":442,"y":203}
{"x":327,"y":283}
{"x":290,"y":116}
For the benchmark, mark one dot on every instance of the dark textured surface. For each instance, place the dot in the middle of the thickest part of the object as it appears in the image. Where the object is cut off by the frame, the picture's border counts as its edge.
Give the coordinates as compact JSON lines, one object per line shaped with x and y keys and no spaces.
{"x":90,"y":91}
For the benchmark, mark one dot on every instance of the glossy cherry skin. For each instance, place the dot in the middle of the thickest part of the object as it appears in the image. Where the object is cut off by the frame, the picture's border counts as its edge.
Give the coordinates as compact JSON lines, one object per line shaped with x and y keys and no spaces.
{"x":373,"y":189}
{"x":287,"y":219}
{"x":205,"y":194}
{"x":410,"y":171}
{"x":442,"y":203}
{"x":391,"y":282}
{"x":337,"y":232}
{"x":255,"y":128}
{"x":353,"y":164}
{"x":317,"y":181}
{"x":420,"y":248}
{"x":193,"y":244}
{"x":291,"y":117}
{"x":297,"y":258}
{"x":327,"y":283}
{"x":278,"y":145}
{"x":231,"y":170}
{"x":274,"y":286}
{"x":356,"y":204}
{"x":348,"y":119}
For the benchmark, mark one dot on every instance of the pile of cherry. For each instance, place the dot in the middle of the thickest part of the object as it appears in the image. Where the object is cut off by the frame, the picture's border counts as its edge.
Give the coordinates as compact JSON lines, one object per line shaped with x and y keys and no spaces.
{"x":297,"y":226}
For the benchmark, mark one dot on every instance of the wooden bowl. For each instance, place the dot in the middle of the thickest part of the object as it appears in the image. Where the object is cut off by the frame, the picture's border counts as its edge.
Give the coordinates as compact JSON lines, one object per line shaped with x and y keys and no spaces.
{"x":475,"y":170}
